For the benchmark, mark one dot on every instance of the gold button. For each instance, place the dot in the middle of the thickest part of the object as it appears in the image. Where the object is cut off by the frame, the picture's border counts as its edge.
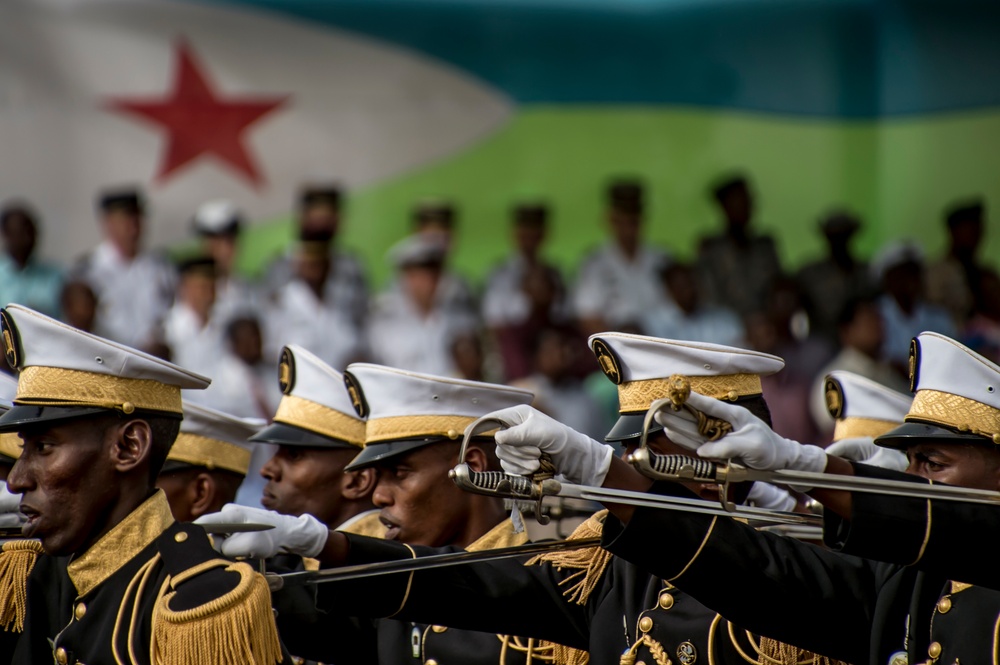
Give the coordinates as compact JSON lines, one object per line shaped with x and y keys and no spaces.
{"x":944,"y":605}
{"x":61,"y":656}
{"x":431,"y":662}
{"x":666,"y":600}
{"x":181,"y":537}
{"x":645,"y":624}
{"x":934,"y":650}
{"x":439,"y":629}
{"x":80,"y":611}
{"x":452,"y":434}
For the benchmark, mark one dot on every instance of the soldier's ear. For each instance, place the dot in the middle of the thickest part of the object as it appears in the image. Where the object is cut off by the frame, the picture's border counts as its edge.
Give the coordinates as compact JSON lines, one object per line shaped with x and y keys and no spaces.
{"x":358,"y":485}
{"x":203,"y":494}
{"x":132,"y":445}
{"x":477,"y":459}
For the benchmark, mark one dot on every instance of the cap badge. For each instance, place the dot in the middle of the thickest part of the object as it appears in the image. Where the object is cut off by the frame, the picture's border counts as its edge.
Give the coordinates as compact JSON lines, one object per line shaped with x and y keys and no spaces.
{"x":834,"y":398}
{"x":357,"y":397}
{"x":608,"y":361}
{"x":914,"y":364}
{"x":11,"y":340}
{"x":286,"y":371}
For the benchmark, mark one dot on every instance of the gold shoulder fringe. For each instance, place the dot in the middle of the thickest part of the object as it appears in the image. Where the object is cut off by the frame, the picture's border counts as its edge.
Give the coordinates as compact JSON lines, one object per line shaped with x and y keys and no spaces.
{"x":778,"y":653}
{"x":562,"y":655}
{"x":16,"y":562}
{"x":367,"y":525}
{"x":235,"y":628}
{"x":589,"y":562}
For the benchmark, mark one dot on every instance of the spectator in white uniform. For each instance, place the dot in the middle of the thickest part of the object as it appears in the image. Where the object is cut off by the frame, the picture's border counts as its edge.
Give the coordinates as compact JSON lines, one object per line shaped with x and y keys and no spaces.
{"x":438,"y":219}
{"x":687,"y":316}
{"x":219,"y":224}
{"x":619,"y":282}
{"x":411,"y":327}
{"x":134,"y":288}
{"x":190,"y":331}
{"x":319,"y":221}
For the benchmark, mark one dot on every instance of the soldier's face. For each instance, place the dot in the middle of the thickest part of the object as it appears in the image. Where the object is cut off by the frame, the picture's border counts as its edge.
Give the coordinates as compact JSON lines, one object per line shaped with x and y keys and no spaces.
{"x":66,"y":478}
{"x":963,"y":465}
{"x":419,"y":505}
{"x":303,"y":479}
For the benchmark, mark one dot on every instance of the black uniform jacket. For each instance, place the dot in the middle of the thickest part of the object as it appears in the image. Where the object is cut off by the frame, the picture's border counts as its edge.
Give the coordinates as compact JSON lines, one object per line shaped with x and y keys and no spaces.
{"x":590,"y":602}
{"x":905,"y":592}
{"x":150,"y":590}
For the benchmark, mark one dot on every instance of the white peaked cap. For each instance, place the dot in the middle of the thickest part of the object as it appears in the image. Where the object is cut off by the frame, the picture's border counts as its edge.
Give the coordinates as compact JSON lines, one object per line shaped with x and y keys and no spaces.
{"x":214,"y":440}
{"x":862,"y":407}
{"x":65,"y":368}
{"x":957,"y":394}
{"x":217,"y":217}
{"x":315,"y":399}
{"x":894,"y":254}
{"x":419,"y":249}
{"x":640,"y":366}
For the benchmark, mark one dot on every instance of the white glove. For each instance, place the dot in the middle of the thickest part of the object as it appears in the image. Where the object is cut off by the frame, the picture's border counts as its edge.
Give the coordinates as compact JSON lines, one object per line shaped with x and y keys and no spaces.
{"x":863,"y":449}
{"x":765,"y":495}
{"x":529,"y":433}
{"x":10,"y":504}
{"x":303,"y":535}
{"x":751,"y":443}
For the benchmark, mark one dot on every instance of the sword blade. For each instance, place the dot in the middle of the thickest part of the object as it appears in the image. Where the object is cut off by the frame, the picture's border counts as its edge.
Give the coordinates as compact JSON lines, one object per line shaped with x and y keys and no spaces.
{"x":360,"y":571}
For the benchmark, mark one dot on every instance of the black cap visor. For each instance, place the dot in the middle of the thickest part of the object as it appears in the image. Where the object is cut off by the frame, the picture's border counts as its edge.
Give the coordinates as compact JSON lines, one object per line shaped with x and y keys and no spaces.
{"x":23,"y":416}
{"x":375,"y":453}
{"x":912,"y":433}
{"x":290,"y":435}
{"x":629,"y":426}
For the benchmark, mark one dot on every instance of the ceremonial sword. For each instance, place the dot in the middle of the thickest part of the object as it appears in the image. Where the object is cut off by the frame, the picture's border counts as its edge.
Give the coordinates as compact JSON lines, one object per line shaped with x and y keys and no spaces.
{"x":220,"y":529}
{"x":536,"y":488}
{"x":692,"y":469}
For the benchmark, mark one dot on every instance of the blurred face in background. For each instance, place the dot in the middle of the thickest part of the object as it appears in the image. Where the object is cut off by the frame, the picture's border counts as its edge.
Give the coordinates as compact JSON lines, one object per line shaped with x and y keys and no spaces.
{"x":625,"y":227}
{"x":222,"y":248}
{"x":320,"y":219}
{"x":245,"y":340}
{"x":123,"y":228}
{"x":313,"y":268}
{"x":79,"y":305}
{"x":19,"y":235}
{"x":682,"y":286}
{"x":737,"y":205}
{"x":529,"y":238}
{"x":865,"y":331}
{"x":420,"y":283}
{"x":197,"y":291}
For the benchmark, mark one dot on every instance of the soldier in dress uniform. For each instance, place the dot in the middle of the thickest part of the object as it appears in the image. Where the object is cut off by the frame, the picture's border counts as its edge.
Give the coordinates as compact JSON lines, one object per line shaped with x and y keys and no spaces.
{"x":317,"y":434}
{"x":910,"y":598}
{"x":412,"y":435}
{"x":586,"y":599}
{"x":134,"y":288}
{"x":104,"y":574}
{"x":619,"y":283}
{"x":207,"y":463}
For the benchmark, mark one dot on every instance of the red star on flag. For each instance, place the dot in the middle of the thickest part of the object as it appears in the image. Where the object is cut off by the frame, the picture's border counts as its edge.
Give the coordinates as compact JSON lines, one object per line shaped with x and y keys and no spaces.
{"x":199,"y":121}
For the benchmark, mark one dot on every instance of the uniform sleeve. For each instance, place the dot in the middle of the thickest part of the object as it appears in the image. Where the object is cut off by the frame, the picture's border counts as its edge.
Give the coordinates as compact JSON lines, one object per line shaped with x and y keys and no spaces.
{"x":951,"y":539}
{"x":503,"y":596}
{"x":760,"y":581}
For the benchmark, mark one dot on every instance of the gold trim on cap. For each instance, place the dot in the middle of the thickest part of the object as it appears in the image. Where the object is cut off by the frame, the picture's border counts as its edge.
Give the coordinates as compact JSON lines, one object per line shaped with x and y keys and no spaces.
{"x":10,"y":445}
{"x":852,"y":427}
{"x":198,"y":450}
{"x":57,"y":386}
{"x":304,"y":413}
{"x":957,"y":412}
{"x":636,"y":396}
{"x":412,"y":427}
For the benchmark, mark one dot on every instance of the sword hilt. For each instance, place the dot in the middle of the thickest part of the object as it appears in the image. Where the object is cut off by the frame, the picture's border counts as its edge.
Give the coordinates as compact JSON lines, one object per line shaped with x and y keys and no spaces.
{"x":676,"y":467}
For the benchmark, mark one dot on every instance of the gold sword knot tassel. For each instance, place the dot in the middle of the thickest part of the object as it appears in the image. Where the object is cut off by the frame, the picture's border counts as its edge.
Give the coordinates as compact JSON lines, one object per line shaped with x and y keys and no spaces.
{"x":678,"y":392}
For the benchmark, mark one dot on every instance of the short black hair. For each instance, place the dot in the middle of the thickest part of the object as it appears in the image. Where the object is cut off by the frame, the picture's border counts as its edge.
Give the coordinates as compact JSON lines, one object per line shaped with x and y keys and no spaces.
{"x":16,"y":210}
{"x":849,"y":311}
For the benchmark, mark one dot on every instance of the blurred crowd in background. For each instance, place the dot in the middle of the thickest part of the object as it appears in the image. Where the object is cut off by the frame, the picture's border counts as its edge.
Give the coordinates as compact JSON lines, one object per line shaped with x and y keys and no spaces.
{"x":528,"y":323}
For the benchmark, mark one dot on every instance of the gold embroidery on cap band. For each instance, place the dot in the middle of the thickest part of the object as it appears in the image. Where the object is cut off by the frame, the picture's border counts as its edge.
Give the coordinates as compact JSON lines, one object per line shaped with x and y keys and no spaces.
{"x":956,"y":412}
{"x":411,"y":427}
{"x":199,"y":450}
{"x":56,"y":386}
{"x":636,"y":396}
{"x":10,"y":445}
{"x":310,"y":415}
{"x":850,"y":428}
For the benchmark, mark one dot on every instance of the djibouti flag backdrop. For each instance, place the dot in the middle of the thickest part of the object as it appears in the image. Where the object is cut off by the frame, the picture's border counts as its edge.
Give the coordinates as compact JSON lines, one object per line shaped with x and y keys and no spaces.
{"x":890,"y":108}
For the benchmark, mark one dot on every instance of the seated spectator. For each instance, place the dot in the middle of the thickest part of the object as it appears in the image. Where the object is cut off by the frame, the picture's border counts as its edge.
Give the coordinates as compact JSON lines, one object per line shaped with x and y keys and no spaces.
{"x":982,"y":332}
{"x":23,"y":278}
{"x":134,"y":288}
{"x":737,"y":265}
{"x":557,"y":384}
{"x":828,"y":284}
{"x":219,"y":224}
{"x":618,"y":283}
{"x":190,"y":330}
{"x":861,"y":336}
{"x":411,"y":326}
{"x":899,"y":268}
{"x":687,"y":316}
{"x":439,"y":219}
{"x":307,"y":312}
{"x":79,"y":306}
{"x":952,"y":280}
{"x":467,"y":353}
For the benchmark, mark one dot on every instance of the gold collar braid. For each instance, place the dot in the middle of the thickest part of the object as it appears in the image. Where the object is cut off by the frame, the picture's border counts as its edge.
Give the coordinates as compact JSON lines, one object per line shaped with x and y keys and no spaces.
{"x":956,"y":412}
{"x":57,"y":386}
{"x":636,"y":396}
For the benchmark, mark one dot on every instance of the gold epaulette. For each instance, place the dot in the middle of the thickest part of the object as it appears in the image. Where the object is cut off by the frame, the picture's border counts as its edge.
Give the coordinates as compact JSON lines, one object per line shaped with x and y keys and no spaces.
{"x":16,"y":561}
{"x":774,"y":652}
{"x":589,"y":562}
{"x":235,"y":628}
{"x":366,"y":525}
